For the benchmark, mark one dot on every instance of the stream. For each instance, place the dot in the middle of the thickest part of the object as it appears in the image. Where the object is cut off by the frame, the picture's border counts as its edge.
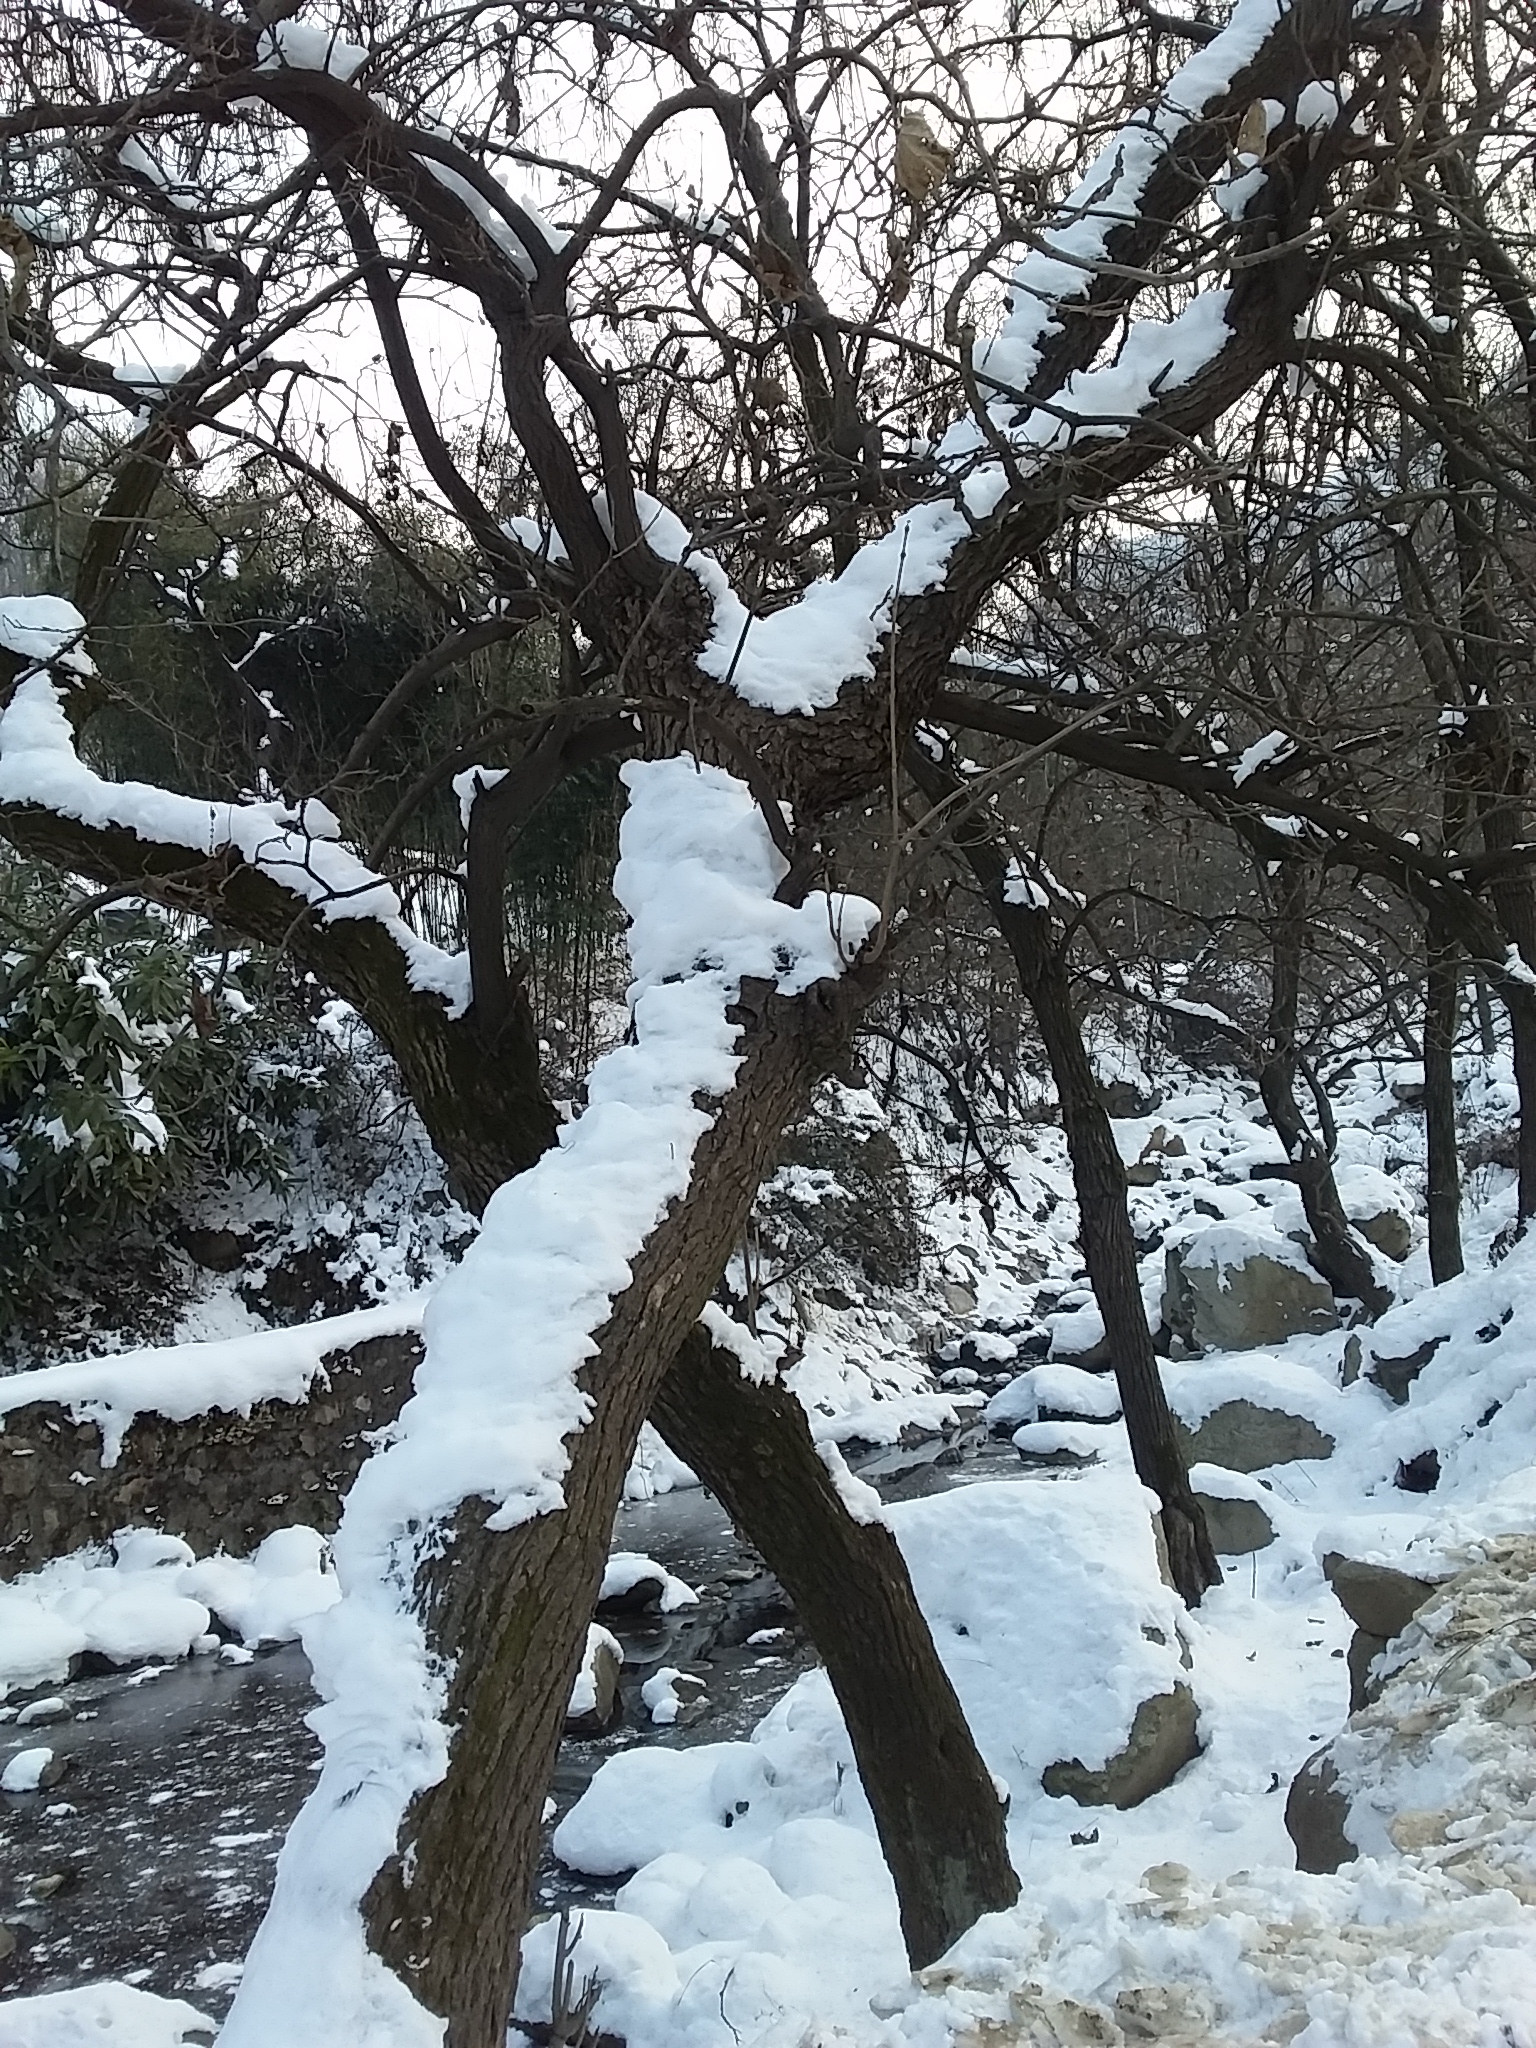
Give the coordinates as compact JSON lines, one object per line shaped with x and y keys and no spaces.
{"x":152,"y":1859}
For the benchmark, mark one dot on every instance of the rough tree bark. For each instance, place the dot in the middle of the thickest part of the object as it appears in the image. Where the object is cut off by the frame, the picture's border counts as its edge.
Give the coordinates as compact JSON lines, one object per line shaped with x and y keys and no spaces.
{"x":1443,"y":1193}
{"x":1339,"y":1254}
{"x":1098,"y":1175}
{"x":936,"y":1809}
{"x":507,"y":1611}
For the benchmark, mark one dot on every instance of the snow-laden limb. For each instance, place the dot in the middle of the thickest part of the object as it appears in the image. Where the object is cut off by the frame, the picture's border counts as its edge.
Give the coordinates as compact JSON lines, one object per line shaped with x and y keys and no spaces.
{"x":797,"y":659}
{"x":498,"y":1393}
{"x":44,"y":629}
{"x":858,"y":1497}
{"x":292,"y":845}
{"x":755,"y":1361}
{"x":1109,"y":194}
{"x":300,"y":46}
{"x":495,"y":224}
{"x":179,"y":1381}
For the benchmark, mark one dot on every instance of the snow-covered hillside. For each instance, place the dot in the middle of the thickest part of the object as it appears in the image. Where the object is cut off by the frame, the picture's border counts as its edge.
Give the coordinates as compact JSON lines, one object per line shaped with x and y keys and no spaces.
{"x":755,"y":1908}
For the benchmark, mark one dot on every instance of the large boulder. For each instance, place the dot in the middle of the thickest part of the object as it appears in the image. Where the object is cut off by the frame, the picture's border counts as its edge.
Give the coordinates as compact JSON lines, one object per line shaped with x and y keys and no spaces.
{"x":1379,"y":1598}
{"x":1233,"y":1286}
{"x":1053,"y":1393}
{"x":1439,"y":1767}
{"x":1236,"y":1527}
{"x":1315,"y":1812}
{"x":1381,"y":1601}
{"x":1243,"y":1436}
{"x":1164,"y":1738}
{"x":1378,"y":1208}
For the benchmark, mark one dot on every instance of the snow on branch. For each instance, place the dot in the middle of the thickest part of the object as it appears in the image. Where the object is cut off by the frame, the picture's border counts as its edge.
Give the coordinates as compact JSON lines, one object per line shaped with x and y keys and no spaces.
{"x":797,"y":659}
{"x":1109,"y":195}
{"x":296,"y":846}
{"x":498,"y":1392}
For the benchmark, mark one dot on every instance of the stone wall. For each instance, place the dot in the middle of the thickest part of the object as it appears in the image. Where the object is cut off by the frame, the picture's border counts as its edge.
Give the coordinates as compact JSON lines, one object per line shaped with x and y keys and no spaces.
{"x":220,"y":1478}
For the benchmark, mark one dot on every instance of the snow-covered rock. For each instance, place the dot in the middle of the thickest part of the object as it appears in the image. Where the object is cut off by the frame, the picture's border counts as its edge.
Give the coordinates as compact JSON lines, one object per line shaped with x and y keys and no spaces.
{"x":1439,"y":1767}
{"x":596,"y":1704}
{"x":1053,"y":1393}
{"x":1233,"y":1286}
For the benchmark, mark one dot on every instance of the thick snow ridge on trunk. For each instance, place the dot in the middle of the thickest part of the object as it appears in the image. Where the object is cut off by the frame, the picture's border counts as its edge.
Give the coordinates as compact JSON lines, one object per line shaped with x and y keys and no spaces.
{"x":498,"y":1394}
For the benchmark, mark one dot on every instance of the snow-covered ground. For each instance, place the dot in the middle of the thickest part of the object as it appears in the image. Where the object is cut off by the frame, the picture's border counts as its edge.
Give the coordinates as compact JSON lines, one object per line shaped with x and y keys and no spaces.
{"x":759,"y":1911}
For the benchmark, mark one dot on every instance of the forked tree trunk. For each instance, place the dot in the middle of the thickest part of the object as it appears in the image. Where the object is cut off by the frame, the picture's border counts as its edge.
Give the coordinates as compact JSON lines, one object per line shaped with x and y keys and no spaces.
{"x":1338,"y":1252}
{"x":940,"y":1821}
{"x":507,"y":1612}
{"x":1109,"y":1252}
{"x":1098,"y":1177}
{"x":1443,"y":1193}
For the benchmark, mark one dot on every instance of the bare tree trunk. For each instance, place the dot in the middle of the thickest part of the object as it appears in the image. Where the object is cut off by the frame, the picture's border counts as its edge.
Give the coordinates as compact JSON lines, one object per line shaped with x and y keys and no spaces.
{"x":1443,"y":1194}
{"x":1109,"y":1252}
{"x":1098,"y":1175}
{"x":939,"y":1818}
{"x":1340,"y":1256}
{"x":1514,"y":903}
{"x":1520,"y":1007}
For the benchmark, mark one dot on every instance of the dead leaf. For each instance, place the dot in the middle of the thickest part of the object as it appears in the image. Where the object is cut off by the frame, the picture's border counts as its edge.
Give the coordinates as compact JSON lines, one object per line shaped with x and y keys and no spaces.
{"x":922,"y":161}
{"x":1253,"y":132}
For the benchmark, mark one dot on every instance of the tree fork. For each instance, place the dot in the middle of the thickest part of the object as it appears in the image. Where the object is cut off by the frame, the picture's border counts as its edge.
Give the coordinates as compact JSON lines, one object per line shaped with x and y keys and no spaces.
{"x":937,"y":1812}
{"x":507,"y":1611}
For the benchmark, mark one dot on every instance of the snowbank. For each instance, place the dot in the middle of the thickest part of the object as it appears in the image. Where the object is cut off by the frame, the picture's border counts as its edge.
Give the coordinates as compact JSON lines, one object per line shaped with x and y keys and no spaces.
{"x":755,"y":1862}
{"x":152,"y":1599}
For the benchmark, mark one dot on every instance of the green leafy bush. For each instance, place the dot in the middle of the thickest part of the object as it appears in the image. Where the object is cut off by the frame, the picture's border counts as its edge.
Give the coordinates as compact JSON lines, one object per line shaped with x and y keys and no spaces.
{"x":135,"y":1069}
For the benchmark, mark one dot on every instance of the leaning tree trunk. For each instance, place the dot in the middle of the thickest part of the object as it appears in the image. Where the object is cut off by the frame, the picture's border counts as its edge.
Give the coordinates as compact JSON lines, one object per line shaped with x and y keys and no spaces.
{"x":1443,"y":1193}
{"x":507,"y":1611}
{"x":1098,"y":1176}
{"x":936,"y":1809}
{"x":1340,"y":1256}
{"x":1109,"y":1252}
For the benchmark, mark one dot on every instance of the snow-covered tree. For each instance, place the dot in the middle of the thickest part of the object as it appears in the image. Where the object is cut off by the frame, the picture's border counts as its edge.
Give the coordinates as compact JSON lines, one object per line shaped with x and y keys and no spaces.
{"x":846,"y":314}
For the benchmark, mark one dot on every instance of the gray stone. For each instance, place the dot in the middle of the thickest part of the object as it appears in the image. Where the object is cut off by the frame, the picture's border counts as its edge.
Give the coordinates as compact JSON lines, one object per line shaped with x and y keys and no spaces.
{"x":1243,"y":1437}
{"x":1316,"y":1809}
{"x":1395,"y":1376}
{"x":1236,"y":1526}
{"x":959,"y":1299}
{"x":1389,"y":1230}
{"x":1263,"y":1301}
{"x":608,"y":1711}
{"x":1377,"y":1598}
{"x":1364,"y":1649}
{"x":217,"y":1479}
{"x":1163,"y":1739}
{"x":643,"y":1596}
{"x":1349,"y":1365}
{"x":1124,"y":1098}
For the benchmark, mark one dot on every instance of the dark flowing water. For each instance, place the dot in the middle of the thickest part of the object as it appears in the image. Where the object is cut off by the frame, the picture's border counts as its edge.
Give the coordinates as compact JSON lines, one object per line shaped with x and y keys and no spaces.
{"x":152,"y":1859}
